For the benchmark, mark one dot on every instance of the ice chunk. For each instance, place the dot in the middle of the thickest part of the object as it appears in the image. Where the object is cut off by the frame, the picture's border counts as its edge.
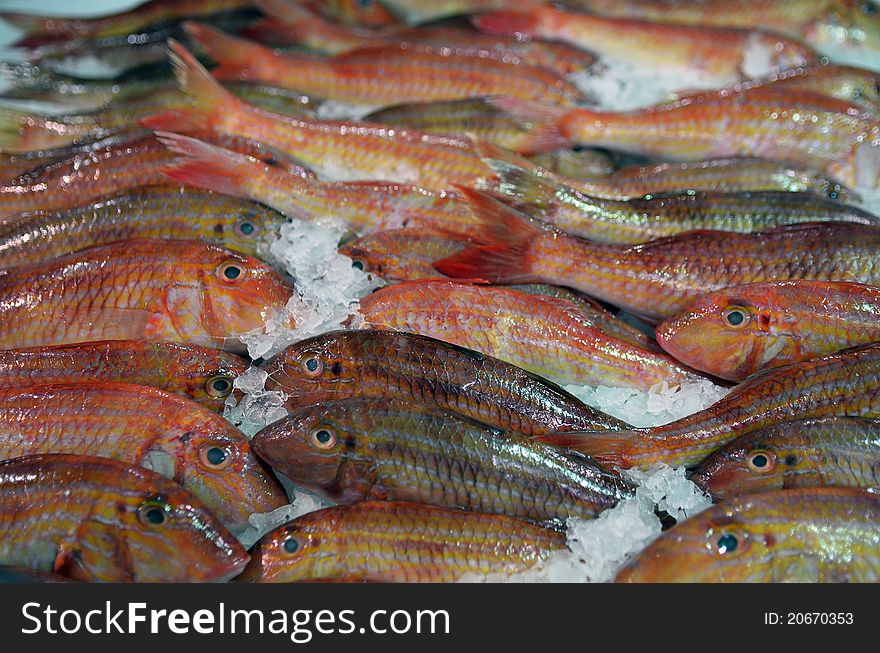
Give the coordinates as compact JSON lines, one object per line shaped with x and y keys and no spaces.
{"x":258,"y":407}
{"x":661,"y":405}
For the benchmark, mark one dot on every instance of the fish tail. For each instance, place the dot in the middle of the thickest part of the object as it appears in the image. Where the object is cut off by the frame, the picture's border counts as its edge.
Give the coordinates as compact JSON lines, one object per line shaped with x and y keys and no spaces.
{"x":508,"y":236}
{"x":210,"y":101}
{"x":234,"y":56}
{"x":21,"y":132}
{"x":206,"y":166}
{"x":518,"y":178}
{"x":615,"y":448}
{"x":506,"y":23}
{"x":546,"y":121}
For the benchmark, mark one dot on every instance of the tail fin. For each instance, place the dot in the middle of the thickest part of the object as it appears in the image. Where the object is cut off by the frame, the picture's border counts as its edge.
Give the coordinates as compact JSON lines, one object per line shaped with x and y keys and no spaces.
{"x":207,"y":166}
{"x":210,"y":101}
{"x":235,"y":56}
{"x":506,"y":23}
{"x":541,"y":118}
{"x":20,"y":131}
{"x":609,"y":448}
{"x":518,"y":179}
{"x":510,"y":233}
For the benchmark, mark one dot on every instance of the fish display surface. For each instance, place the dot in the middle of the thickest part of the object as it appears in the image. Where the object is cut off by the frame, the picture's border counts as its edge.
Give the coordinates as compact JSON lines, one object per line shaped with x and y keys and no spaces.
{"x":440,"y":291}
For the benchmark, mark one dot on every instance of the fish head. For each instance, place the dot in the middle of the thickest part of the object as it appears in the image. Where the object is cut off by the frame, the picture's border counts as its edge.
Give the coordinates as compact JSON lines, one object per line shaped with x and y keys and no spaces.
{"x":729,"y":335}
{"x":367,"y":257}
{"x":239,"y":294}
{"x":250,"y":230}
{"x":208,"y":375}
{"x":713,"y":546}
{"x":294,"y":552}
{"x":215,"y":461}
{"x":316,"y":369}
{"x":165,"y":534}
{"x":745,"y":466}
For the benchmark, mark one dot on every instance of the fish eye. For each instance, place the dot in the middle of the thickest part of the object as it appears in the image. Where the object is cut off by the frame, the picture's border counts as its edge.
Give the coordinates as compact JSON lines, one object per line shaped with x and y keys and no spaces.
{"x":153,"y":513}
{"x":323,"y":438}
{"x":357,"y":264}
{"x":230,"y":271}
{"x":246,"y":228}
{"x":761,"y":461}
{"x":290,"y":545}
{"x":736,"y":316}
{"x":219,"y":386}
{"x":868,"y":9}
{"x":214,"y":457}
{"x":727,"y":543}
{"x":312,"y":365}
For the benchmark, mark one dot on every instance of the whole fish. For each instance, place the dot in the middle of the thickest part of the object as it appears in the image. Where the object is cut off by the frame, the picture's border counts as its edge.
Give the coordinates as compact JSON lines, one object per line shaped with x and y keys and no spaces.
{"x":294,"y":24}
{"x":116,"y":165}
{"x":638,"y":220}
{"x":382,"y":75}
{"x":393,"y":450}
{"x":832,"y":451}
{"x":807,"y":535}
{"x":391,"y":541}
{"x":336,"y":150}
{"x":551,"y":337}
{"x":660,"y":278}
{"x":142,"y":426}
{"x":99,"y":520}
{"x":805,"y":128}
{"x":716,"y":56}
{"x":845,"y":384}
{"x":475,"y":117}
{"x":733,"y":333}
{"x":205,"y":375}
{"x":851,"y":20}
{"x":239,"y":225}
{"x":40,"y":29}
{"x":364,"y":207}
{"x":716,"y":175}
{"x":403,"y":254}
{"x":362,"y":363}
{"x":174,"y":290}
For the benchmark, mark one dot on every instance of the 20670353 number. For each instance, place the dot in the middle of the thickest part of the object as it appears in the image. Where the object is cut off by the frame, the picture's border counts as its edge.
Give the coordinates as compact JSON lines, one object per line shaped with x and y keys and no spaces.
{"x":808,"y":618}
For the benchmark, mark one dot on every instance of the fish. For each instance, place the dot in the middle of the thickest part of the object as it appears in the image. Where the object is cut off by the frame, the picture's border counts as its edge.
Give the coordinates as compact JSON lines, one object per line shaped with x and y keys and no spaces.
{"x":202,"y":374}
{"x":811,"y":130}
{"x":114,"y":166}
{"x":830,"y":451}
{"x":403,"y":254}
{"x":806,"y":535}
{"x":147,"y":289}
{"x":640,"y":219}
{"x":97,"y":520}
{"x":575,"y":163}
{"x":737,"y":174}
{"x":364,"y":207}
{"x":396,"y":450}
{"x":39,"y":29}
{"x":396,"y":541}
{"x":335,"y":150}
{"x":717,"y":56}
{"x":366,"y":363}
{"x":144,"y":426}
{"x":553,"y":338}
{"x":660,"y":278}
{"x":291,"y":24}
{"x":40,"y":236}
{"x":843,"y":384}
{"x":736,"y":332}
{"x":384,"y":75}
{"x":477,"y":118}
{"x":849,"y":20}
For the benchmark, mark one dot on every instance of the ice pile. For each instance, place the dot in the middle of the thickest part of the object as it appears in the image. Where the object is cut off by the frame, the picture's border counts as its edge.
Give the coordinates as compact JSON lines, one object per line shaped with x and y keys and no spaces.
{"x":661,"y":405}
{"x":258,"y":407}
{"x":598,"y":548}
